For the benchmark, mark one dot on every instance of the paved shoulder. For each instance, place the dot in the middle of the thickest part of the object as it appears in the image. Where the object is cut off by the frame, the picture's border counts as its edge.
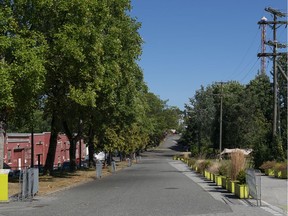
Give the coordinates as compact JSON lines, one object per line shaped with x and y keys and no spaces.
{"x":238,"y":206}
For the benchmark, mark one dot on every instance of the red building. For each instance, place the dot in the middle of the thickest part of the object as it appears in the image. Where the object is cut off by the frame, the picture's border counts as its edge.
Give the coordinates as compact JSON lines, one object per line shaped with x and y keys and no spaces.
{"x":17,"y":149}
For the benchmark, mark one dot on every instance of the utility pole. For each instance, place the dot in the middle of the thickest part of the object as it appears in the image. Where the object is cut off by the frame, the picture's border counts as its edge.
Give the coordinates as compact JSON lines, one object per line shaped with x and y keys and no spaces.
{"x":263,"y":47}
{"x":274,"y":25}
{"x":221,"y":118}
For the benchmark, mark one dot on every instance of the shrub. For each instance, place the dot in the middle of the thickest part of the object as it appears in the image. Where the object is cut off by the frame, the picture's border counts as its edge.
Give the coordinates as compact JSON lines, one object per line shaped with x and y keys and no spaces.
{"x":281,"y":166}
{"x":191,"y":162}
{"x":214,"y":167}
{"x":202,"y":164}
{"x":224,"y":167}
{"x":268,"y":165}
{"x":241,"y":177}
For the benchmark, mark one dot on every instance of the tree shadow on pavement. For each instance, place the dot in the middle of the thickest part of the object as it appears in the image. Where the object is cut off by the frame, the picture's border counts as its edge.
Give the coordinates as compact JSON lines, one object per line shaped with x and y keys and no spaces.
{"x":178,"y":148}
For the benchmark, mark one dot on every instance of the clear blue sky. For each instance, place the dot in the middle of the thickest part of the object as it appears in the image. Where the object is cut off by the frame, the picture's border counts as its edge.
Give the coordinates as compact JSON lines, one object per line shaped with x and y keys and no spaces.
{"x":189,"y":43}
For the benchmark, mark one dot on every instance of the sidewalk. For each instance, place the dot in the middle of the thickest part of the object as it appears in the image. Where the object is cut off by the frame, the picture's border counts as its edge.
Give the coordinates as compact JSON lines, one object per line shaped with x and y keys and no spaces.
{"x":274,"y":192}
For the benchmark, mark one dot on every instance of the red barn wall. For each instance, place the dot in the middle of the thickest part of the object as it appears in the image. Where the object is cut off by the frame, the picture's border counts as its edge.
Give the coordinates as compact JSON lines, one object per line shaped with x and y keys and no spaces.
{"x":17,"y":150}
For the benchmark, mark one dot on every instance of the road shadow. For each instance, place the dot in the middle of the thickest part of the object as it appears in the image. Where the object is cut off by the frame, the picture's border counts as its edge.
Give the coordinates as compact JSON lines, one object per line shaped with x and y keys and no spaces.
{"x":178,"y":147}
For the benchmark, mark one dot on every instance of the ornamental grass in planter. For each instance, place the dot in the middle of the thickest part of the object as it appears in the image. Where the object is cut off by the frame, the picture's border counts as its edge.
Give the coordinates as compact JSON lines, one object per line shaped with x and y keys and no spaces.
{"x":268,"y":167}
{"x":280,"y":170}
{"x":191,"y":162}
{"x":241,"y":189}
{"x":202,"y":165}
{"x":214,"y":170}
{"x":224,"y":166}
{"x":237,"y":164}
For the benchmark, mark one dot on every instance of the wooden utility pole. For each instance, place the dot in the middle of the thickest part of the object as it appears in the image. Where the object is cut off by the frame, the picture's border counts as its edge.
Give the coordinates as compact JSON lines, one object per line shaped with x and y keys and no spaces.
{"x":221,"y":118}
{"x":274,"y":25}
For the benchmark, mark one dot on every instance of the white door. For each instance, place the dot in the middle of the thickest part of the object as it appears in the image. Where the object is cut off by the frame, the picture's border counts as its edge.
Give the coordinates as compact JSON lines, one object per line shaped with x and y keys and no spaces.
{"x":19,"y":163}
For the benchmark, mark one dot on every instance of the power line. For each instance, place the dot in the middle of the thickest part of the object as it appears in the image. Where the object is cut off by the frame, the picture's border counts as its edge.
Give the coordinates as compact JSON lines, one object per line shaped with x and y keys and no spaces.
{"x":249,"y":71}
{"x":234,"y":73}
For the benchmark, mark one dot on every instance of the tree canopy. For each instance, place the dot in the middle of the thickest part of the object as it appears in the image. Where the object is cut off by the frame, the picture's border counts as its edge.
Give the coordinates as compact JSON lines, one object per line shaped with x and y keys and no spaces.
{"x":246,"y":121}
{"x":73,"y":65}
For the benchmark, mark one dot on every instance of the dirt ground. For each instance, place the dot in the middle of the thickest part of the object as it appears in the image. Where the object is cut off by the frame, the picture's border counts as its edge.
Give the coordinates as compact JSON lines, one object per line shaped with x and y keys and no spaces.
{"x":50,"y":184}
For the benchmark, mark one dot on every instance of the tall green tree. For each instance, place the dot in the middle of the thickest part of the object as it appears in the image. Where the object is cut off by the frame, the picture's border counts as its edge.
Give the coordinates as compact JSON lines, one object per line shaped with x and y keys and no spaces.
{"x":74,"y":33}
{"x":22,"y":71}
{"x":258,"y":110}
{"x":200,"y":114}
{"x":247,"y":118}
{"x":159,"y":118}
{"x":118,"y":105}
{"x":231,"y":110}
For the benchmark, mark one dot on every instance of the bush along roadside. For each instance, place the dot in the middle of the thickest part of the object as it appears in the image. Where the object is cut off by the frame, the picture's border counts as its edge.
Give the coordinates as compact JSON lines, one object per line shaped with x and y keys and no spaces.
{"x":228,"y":174}
{"x":274,"y":168}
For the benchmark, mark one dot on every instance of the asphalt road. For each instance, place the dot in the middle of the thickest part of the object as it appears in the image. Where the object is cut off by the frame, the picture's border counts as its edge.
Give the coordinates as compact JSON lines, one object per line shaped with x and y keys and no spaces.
{"x":157,"y":186}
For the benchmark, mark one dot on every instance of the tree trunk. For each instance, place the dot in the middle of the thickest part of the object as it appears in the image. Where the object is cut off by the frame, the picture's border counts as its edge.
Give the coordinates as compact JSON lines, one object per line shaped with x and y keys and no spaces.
{"x":72,"y":154}
{"x":73,"y":141}
{"x":49,"y":164}
{"x":91,"y":146}
{"x":109,"y":159}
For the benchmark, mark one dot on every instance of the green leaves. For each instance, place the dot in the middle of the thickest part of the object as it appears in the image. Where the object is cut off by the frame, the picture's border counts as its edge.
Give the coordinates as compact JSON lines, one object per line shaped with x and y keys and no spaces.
{"x":6,"y":96}
{"x":79,"y":60}
{"x":22,"y":63}
{"x":247,"y":117}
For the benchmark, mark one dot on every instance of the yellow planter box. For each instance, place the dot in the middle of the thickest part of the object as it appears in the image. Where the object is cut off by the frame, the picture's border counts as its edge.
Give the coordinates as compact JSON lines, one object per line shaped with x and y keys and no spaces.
{"x":211,"y":176}
{"x":269,"y":172}
{"x":202,"y":172}
{"x":4,"y":188}
{"x":241,"y":191}
{"x":224,"y":182}
{"x":206,"y":174}
{"x":231,"y":186}
{"x":284,"y":174}
{"x":218,"y":180}
{"x":281,"y":174}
